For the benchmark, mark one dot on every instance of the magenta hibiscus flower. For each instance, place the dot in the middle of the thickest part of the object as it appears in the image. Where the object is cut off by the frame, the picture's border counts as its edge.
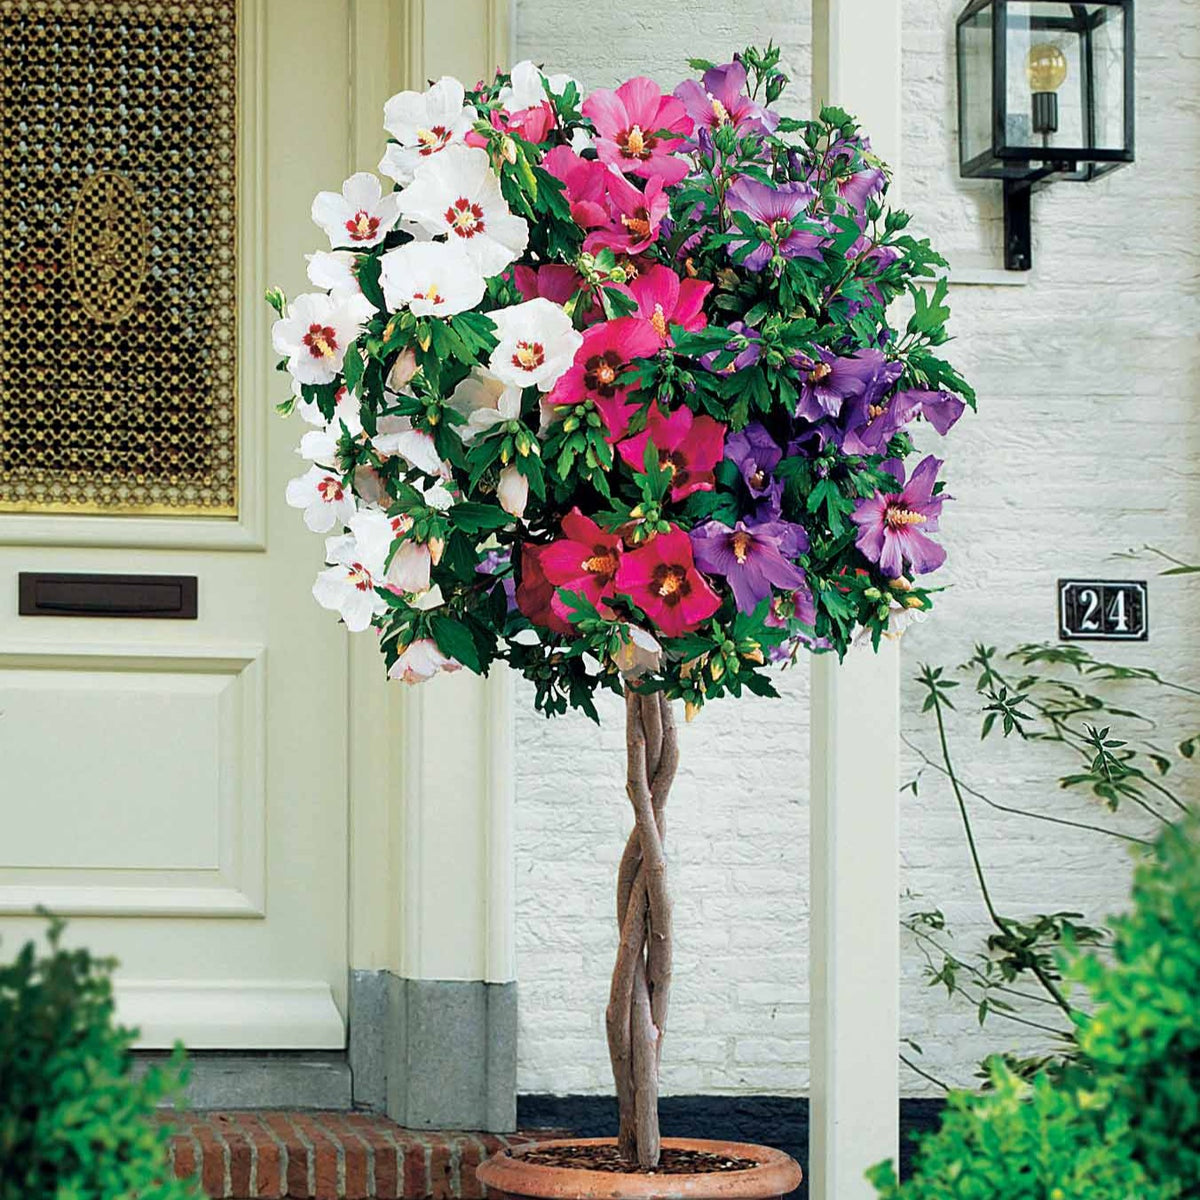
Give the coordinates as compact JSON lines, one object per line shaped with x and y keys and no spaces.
{"x":585,"y":561}
{"x":634,"y":126}
{"x":892,"y":527}
{"x":688,"y":446}
{"x":600,"y":362}
{"x":663,"y":300}
{"x":662,"y":580}
{"x":584,"y":180}
{"x":634,"y":216}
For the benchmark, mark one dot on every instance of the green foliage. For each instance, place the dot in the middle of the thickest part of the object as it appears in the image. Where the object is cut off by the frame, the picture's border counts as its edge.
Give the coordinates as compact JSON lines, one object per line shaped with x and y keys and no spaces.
{"x":74,"y":1124}
{"x":1121,"y":1121}
{"x":1025,"y":1141}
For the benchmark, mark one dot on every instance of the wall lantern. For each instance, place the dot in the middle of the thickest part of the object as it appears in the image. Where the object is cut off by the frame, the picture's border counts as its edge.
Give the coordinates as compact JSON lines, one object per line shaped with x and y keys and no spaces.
{"x":1045,"y":92}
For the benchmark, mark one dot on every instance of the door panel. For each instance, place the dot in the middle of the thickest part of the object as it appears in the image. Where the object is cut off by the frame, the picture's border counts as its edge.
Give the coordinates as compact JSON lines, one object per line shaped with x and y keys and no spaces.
{"x":178,"y":788}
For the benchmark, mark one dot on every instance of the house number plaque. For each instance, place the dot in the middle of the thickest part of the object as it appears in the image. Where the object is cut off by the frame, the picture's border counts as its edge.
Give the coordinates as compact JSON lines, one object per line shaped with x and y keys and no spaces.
{"x":1091,"y":610}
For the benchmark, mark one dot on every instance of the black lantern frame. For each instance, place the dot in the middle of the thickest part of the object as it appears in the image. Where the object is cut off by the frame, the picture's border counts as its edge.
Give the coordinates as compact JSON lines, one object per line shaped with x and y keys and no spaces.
{"x":1020,"y":165}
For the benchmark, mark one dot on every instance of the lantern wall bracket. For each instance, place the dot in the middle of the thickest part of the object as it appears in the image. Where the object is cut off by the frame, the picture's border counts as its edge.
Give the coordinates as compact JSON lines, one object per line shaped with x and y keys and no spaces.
{"x":1018,"y":225}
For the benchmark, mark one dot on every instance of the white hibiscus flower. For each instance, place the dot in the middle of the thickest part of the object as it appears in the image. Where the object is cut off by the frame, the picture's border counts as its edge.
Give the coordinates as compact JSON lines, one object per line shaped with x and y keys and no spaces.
{"x":457,"y":193}
{"x":374,"y":532}
{"x":316,"y":332}
{"x":361,"y":216}
{"x":424,"y":123}
{"x":326,"y":501}
{"x":484,"y":400}
{"x":320,"y":445}
{"x":537,"y":343}
{"x":348,"y":585}
{"x":345,"y":410}
{"x":421,"y":660}
{"x":512,"y":491}
{"x":433,"y":279}
{"x":396,"y":435}
{"x":527,"y":91}
{"x":333,"y":270}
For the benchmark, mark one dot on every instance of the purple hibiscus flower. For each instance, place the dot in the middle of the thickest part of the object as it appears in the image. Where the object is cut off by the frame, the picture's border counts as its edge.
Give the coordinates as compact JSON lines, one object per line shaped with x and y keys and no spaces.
{"x":776,"y":208}
{"x":752,"y":559}
{"x":720,"y":99}
{"x":829,"y":380}
{"x":869,"y":420}
{"x":940,"y":409}
{"x":756,"y":454}
{"x":746,"y":357}
{"x":892,"y":526}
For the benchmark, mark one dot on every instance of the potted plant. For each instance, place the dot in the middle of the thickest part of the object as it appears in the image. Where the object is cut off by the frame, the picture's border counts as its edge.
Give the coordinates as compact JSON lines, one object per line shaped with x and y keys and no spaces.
{"x":75,"y":1120}
{"x":604,"y":388}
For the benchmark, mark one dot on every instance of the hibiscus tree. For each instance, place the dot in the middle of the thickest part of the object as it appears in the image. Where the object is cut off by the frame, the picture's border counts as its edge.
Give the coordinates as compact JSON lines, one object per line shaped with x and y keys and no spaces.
{"x":605,"y":388}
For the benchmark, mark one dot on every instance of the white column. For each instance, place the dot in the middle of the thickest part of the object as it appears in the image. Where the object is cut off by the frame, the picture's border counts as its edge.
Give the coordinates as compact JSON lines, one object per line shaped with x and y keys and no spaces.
{"x":855,"y":958}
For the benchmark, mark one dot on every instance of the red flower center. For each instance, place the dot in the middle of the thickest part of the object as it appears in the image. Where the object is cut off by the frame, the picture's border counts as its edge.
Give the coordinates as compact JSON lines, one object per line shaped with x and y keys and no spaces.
{"x":635,"y":143}
{"x":321,"y":341}
{"x":600,"y":373}
{"x":362,"y":226}
{"x":671,"y":583}
{"x":360,"y":577}
{"x":331,"y":489}
{"x":465,"y":218}
{"x":431,"y":294}
{"x":432,"y":139}
{"x":528,"y":356}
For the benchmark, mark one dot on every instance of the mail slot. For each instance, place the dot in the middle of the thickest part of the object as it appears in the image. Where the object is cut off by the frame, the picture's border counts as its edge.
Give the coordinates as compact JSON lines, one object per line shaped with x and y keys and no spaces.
{"x":157,"y":597}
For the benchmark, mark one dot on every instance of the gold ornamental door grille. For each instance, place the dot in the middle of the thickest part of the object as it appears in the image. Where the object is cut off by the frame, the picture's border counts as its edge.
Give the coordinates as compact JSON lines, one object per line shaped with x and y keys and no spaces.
{"x":118,"y":130}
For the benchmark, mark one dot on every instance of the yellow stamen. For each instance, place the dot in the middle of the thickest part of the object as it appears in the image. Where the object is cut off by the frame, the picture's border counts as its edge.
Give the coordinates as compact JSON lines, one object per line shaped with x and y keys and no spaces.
{"x":635,"y":140}
{"x":899,"y":517}
{"x":720,"y":112}
{"x":741,"y":546}
{"x":659,"y":321}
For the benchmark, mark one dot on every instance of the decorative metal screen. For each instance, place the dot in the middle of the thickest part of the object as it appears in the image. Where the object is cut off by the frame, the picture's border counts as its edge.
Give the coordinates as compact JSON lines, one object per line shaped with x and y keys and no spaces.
{"x":117,"y":256}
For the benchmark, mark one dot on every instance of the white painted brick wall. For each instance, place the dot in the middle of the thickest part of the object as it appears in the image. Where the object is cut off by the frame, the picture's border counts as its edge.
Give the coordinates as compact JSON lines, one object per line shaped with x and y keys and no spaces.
{"x":1084,"y":446}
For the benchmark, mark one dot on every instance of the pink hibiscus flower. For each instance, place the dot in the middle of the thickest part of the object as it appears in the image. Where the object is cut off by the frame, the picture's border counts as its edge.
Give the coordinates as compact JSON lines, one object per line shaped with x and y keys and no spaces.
{"x":634,"y":216}
{"x":662,"y":580}
{"x":688,"y":446}
{"x":585,"y":561}
{"x":663,"y":300}
{"x":585,"y":181}
{"x":603,"y":358}
{"x":634,"y":125}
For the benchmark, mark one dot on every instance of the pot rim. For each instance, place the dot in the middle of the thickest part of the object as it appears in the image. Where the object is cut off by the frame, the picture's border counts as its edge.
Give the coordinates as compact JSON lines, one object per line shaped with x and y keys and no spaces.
{"x":775,"y":1174}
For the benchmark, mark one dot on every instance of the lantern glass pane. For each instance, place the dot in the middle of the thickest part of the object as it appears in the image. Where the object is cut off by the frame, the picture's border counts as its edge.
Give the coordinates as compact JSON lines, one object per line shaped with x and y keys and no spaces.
{"x":975,"y":67}
{"x":1108,"y":67}
{"x":1047,"y":83}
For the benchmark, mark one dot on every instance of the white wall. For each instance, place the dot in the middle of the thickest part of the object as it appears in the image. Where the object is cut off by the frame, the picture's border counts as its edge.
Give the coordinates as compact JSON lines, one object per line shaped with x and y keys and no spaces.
{"x":1093,"y":358}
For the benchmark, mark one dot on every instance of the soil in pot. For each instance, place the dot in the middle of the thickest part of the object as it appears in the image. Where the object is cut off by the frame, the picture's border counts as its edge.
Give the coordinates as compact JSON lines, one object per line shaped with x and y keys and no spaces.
{"x":592,"y":1169}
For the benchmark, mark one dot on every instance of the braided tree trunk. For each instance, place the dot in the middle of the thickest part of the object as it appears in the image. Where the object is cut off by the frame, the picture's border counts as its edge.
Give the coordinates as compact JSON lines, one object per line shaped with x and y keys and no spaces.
{"x":641,"y":983}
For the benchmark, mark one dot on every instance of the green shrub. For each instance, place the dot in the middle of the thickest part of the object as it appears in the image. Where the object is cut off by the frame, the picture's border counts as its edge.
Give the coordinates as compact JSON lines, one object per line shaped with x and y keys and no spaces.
{"x":74,"y":1123}
{"x":1122,"y":1120}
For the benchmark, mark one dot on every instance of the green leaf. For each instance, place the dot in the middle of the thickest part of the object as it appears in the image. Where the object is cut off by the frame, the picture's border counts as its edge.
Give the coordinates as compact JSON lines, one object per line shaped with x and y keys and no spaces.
{"x":454,"y":638}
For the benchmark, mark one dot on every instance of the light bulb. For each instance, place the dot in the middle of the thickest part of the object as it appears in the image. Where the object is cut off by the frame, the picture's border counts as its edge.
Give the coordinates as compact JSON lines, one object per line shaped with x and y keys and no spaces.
{"x":1046,"y":67}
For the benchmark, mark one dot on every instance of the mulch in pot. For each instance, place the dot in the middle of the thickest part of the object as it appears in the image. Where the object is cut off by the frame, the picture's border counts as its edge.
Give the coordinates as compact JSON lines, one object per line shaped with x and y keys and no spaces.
{"x":608,"y":1158}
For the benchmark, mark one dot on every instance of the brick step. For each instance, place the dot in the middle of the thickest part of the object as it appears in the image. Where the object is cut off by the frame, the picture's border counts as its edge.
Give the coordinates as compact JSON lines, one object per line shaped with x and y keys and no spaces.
{"x":326,"y":1156}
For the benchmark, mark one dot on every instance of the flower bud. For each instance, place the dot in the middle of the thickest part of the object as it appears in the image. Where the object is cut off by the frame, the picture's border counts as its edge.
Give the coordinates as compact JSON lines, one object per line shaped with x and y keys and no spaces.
{"x":403,"y":369}
{"x":508,"y":150}
{"x":437,"y":547}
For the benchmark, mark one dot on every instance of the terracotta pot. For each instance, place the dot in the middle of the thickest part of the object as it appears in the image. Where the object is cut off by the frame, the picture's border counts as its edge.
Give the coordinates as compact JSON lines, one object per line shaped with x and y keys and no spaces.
{"x":507,"y":1175}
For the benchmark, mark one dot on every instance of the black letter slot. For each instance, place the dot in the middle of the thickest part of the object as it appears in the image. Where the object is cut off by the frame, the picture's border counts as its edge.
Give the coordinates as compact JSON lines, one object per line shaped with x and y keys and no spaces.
{"x":161,"y":597}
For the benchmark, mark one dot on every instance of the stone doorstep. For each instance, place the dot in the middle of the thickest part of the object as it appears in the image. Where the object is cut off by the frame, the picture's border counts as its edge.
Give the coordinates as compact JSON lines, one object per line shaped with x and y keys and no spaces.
{"x":327,"y":1156}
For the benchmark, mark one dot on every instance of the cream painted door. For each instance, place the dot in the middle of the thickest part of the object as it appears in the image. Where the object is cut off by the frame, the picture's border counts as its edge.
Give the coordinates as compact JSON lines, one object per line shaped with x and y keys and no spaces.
{"x":177,"y":788}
